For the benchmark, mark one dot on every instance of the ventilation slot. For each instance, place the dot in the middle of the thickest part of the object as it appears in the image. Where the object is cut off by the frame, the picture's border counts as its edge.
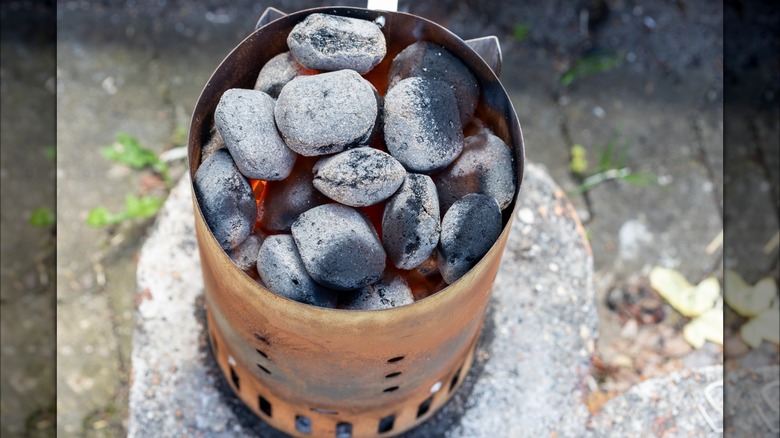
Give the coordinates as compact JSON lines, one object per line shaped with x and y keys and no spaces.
{"x":303,"y":424}
{"x":424,"y":407}
{"x":265,"y":405}
{"x":386,"y":424}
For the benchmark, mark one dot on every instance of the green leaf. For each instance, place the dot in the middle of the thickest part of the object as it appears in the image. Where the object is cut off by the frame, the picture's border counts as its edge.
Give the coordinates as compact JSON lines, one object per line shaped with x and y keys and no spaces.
{"x":521,"y":31}
{"x":687,"y":299}
{"x":100,"y":217}
{"x":643,"y":179}
{"x":41,"y":217}
{"x":765,"y":326}
{"x":50,"y":152}
{"x":589,"y":65}
{"x":579,"y":160}
{"x":745,"y":299}
{"x":128,"y":150}
{"x":143,"y":207}
{"x":707,"y":327}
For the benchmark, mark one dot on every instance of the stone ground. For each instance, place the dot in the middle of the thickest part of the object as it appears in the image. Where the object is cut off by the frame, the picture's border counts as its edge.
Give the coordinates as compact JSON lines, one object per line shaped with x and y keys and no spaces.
{"x":124,"y":67}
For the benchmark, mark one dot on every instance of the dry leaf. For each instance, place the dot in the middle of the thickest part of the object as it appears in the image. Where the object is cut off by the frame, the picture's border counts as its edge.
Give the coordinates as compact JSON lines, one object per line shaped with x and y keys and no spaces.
{"x":707,"y":327}
{"x":746,"y":300}
{"x":765,"y":326}
{"x":687,"y":299}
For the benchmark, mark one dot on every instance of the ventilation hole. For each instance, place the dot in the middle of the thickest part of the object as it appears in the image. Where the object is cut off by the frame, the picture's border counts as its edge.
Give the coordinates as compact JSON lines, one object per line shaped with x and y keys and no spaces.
{"x":265,"y":405}
{"x":424,"y":407}
{"x":262,"y":339}
{"x":303,"y":424}
{"x":344,"y":430}
{"x":264,"y":369}
{"x":395,"y":359}
{"x":386,"y":424}
{"x":262,"y":353}
{"x":455,"y":379}
{"x":391,"y":375}
{"x":390,"y":389}
{"x":234,"y":378}
{"x":324,"y":411}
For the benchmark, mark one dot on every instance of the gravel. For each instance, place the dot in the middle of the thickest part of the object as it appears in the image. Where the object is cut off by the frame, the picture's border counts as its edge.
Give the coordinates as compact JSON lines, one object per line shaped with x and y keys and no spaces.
{"x":390,"y":291}
{"x":411,"y":222}
{"x":339,"y":247}
{"x":245,"y":254}
{"x":327,"y":113}
{"x":283,"y":201}
{"x":422,"y":127}
{"x":245,"y":119}
{"x":359,"y":177}
{"x":329,"y":42}
{"x":281,"y":269}
{"x":226,"y":199}
{"x":428,"y":60}
{"x":485,"y":166}
{"x":277,"y":72}
{"x":468,"y":231}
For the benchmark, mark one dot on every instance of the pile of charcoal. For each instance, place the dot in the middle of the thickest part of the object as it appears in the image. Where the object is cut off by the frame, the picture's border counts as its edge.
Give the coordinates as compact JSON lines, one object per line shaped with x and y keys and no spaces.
{"x":332,"y":193}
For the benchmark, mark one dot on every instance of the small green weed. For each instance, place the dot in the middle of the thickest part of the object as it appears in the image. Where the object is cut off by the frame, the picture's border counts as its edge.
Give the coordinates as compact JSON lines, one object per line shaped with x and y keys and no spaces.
{"x":521,"y":31}
{"x":135,"y":207}
{"x":42,"y":217}
{"x":591,"y":64}
{"x":128,"y":150}
{"x":50,"y":152}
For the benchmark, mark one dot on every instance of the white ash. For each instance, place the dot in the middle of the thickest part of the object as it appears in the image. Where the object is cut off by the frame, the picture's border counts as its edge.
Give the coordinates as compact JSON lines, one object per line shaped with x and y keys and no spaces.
{"x":428,"y":60}
{"x":226,"y":199}
{"x":277,"y":72}
{"x":485,"y":166}
{"x":281,"y":270}
{"x":330,"y":42}
{"x":339,"y":247}
{"x":359,"y":177}
{"x":327,"y":113}
{"x":245,"y":119}
{"x":390,"y":291}
{"x":411,"y":222}
{"x":469,"y":229}
{"x":422,"y":127}
{"x":284,"y":201}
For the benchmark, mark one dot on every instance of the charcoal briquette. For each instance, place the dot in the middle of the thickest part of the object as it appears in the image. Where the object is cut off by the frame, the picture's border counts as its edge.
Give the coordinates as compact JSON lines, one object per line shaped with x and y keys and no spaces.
{"x":390,"y":291}
{"x":225,"y":199}
{"x":245,"y":119}
{"x":277,"y":72}
{"x":245,"y":254}
{"x":359,"y":177}
{"x":285,"y":200}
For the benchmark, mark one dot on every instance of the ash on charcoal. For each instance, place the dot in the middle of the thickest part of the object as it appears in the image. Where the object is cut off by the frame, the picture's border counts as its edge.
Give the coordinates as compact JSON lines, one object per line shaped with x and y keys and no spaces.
{"x":485,"y":166}
{"x":339,"y":247}
{"x":468,"y":231}
{"x":245,"y":254}
{"x":285,"y":200}
{"x":327,"y":113}
{"x":245,"y":119}
{"x":226,"y":199}
{"x":422,"y":127}
{"x":277,"y":72}
{"x":359,"y":177}
{"x":390,"y":291}
{"x":428,"y":60}
{"x":411,"y":222}
{"x":329,"y":42}
{"x":214,"y":143}
{"x":281,"y":269}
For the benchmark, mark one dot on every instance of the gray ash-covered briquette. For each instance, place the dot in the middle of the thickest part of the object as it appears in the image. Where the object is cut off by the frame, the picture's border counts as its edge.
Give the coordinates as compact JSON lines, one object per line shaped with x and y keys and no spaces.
{"x":339,"y":247}
{"x":277,"y":72}
{"x":245,"y":254}
{"x":283,"y":273}
{"x":225,"y":199}
{"x":411,"y":222}
{"x":327,"y":113}
{"x":359,"y":177}
{"x":468,"y":231}
{"x":428,"y":60}
{"x":283,"y":201}
{"x":422,"y":127}
{"x":390,"y":291}
{"x":485,"y":166}
{"x":245,"y":119}
{"x":330,"y":42}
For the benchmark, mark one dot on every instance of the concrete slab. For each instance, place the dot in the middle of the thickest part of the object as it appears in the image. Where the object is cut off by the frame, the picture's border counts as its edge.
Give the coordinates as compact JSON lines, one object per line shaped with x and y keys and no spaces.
{"x":530,"y":364}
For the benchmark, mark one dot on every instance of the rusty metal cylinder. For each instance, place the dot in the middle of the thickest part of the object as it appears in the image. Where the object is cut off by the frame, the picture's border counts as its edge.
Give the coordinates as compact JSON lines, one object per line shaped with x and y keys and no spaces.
{"x":310,"y":371}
